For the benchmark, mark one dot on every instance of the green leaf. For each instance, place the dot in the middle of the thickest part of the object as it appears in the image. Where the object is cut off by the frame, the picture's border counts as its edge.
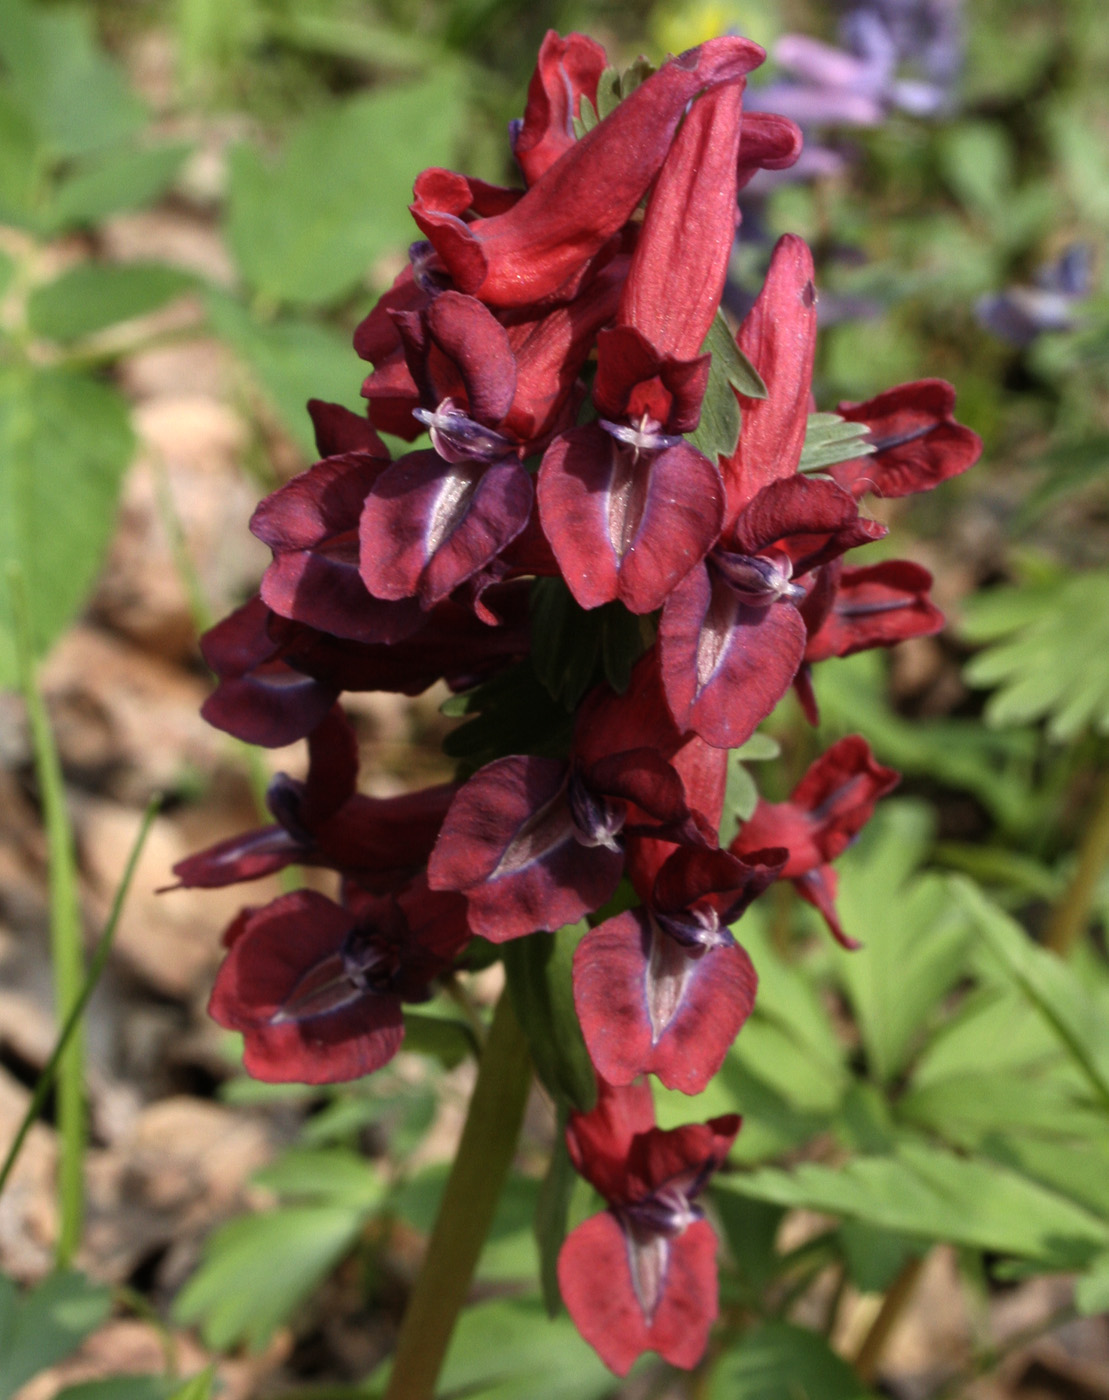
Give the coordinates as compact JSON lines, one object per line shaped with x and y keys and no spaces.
{"x":930,"y":1193}
{"x":1091,"y":1293}
{"x":510,"y":1350}
{"x":46,"y":1324}
{"x":539,"y":971}
{"x":121,"y":1388}
{"x":259,"y":1269}
{"x":566,"y":641}
{"x":1050,"y":985}
{"x":977,"y":160}
{"x":106,"y":184}
{"x":958,"y":1111}
{"x":77,"y":96}
{"x":21,"y":162}
{"x":830,"y":439}
{"x":921,"y":951}
{"x":778,"y":1361}
{"x":65,"y":442}
{"x":447,"y":1038}
{"x":513,"y":713}
{"x":1049,"y":657}
{"x":199,"y":1387}
{"x":730,"y":372}
{"x":552,"y":1214}
{"x":92,"y":296}
{"x":873,"y":1257}
{"x":741,"y":795}
{"x":293,"y":361}
{"x":332,"y":1175}
{"x":307,"y":229}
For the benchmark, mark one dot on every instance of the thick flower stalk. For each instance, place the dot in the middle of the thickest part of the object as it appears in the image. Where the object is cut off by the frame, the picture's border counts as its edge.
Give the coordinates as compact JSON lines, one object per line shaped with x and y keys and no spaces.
{"x":619,"y":588}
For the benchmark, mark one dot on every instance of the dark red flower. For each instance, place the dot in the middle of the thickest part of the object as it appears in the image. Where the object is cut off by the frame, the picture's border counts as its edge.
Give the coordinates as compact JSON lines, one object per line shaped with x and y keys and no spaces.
{"x":540,"y":247}
{"x":323,"y":821}
{"x":641,"y":1276}
{"x":316,"y":989}
{"x":825,"y":812}
{"x":535,"y":843}
{"x":917,"y":443}
{"x":664,"y":989}
{"x":567,"y":70}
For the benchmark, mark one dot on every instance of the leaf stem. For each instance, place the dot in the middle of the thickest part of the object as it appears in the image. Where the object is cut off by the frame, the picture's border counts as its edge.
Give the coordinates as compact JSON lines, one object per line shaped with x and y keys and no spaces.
{"x":1072,"y":913}
{"x":66,"y":940}
{"x":466,"y":1212}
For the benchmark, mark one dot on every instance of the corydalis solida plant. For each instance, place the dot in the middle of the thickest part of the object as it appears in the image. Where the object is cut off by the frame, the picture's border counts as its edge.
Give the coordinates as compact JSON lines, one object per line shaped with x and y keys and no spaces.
{"x":620,"y":585}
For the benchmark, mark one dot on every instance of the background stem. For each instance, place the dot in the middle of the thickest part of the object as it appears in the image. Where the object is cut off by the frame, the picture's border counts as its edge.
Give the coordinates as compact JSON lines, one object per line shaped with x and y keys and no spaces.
{"x":466,"y":1213}
{"x":66,"y":941}
{"x":1072,"y":913}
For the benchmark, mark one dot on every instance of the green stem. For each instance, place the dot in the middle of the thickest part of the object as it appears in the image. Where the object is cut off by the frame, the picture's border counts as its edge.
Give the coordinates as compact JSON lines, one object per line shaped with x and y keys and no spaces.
{"x":96,"y":967}
{"x":466,"y":1213}
{"x":1072,"y":913}
{"x":66,"y":945}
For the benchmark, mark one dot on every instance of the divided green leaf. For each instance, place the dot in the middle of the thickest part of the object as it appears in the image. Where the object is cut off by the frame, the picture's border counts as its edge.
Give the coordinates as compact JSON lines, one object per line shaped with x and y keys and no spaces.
{"x":830,"y":439}
{"x":730,"y":372}
{"x":1047,"y":653}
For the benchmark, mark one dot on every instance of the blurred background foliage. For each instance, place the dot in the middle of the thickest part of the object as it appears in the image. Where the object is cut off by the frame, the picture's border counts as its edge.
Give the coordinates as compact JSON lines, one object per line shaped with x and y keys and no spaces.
{"x":959,"y":234}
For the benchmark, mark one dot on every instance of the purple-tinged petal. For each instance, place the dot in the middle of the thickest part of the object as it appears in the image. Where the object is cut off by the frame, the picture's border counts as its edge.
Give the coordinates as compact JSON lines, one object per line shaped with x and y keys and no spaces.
{"x":649,"y":1005}
{"x":509,"y":844}
{"x":324,"y":501}
{"x":725,"y":665}
{"x":428,"y":525}
{"x":622,"y":526}
{"x":338,"y":430}
{"x":476,"y":345}
{"x":322,"y":588}
{"x":271,"y":705}
{"x":247,"y":856}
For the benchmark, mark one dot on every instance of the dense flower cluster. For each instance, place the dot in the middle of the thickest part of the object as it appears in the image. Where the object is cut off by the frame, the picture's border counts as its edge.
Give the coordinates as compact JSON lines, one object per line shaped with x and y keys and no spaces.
{"x":621,"y":585}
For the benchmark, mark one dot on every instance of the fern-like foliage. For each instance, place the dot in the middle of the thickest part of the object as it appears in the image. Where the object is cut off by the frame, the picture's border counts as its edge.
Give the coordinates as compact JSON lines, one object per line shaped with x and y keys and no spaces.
{"x":1046,"y":652}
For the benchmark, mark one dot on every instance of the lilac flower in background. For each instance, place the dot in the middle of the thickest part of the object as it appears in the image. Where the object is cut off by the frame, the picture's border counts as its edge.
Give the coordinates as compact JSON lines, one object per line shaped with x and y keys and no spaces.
{"x":902,"y":55}
{"x":1021,"y":313}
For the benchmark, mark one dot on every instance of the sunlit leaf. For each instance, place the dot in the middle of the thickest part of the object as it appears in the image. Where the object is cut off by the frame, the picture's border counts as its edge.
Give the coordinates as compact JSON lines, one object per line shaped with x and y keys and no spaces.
{"x":65,"y":442}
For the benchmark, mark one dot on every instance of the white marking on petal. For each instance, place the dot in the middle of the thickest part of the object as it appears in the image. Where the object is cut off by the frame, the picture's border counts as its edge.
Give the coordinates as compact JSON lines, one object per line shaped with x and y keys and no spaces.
{"x":668,"y":969}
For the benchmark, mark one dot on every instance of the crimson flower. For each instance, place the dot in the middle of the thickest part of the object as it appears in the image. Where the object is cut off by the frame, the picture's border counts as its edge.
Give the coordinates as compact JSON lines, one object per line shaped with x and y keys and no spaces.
{"x":536,"y":842}
{"x":664,"y":989}
{"x":825,"y":812}
{"x":316,"y":988}
{"x":732,"y":635}
{"x":641,"y":1276}
{"x":323,"y":821}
